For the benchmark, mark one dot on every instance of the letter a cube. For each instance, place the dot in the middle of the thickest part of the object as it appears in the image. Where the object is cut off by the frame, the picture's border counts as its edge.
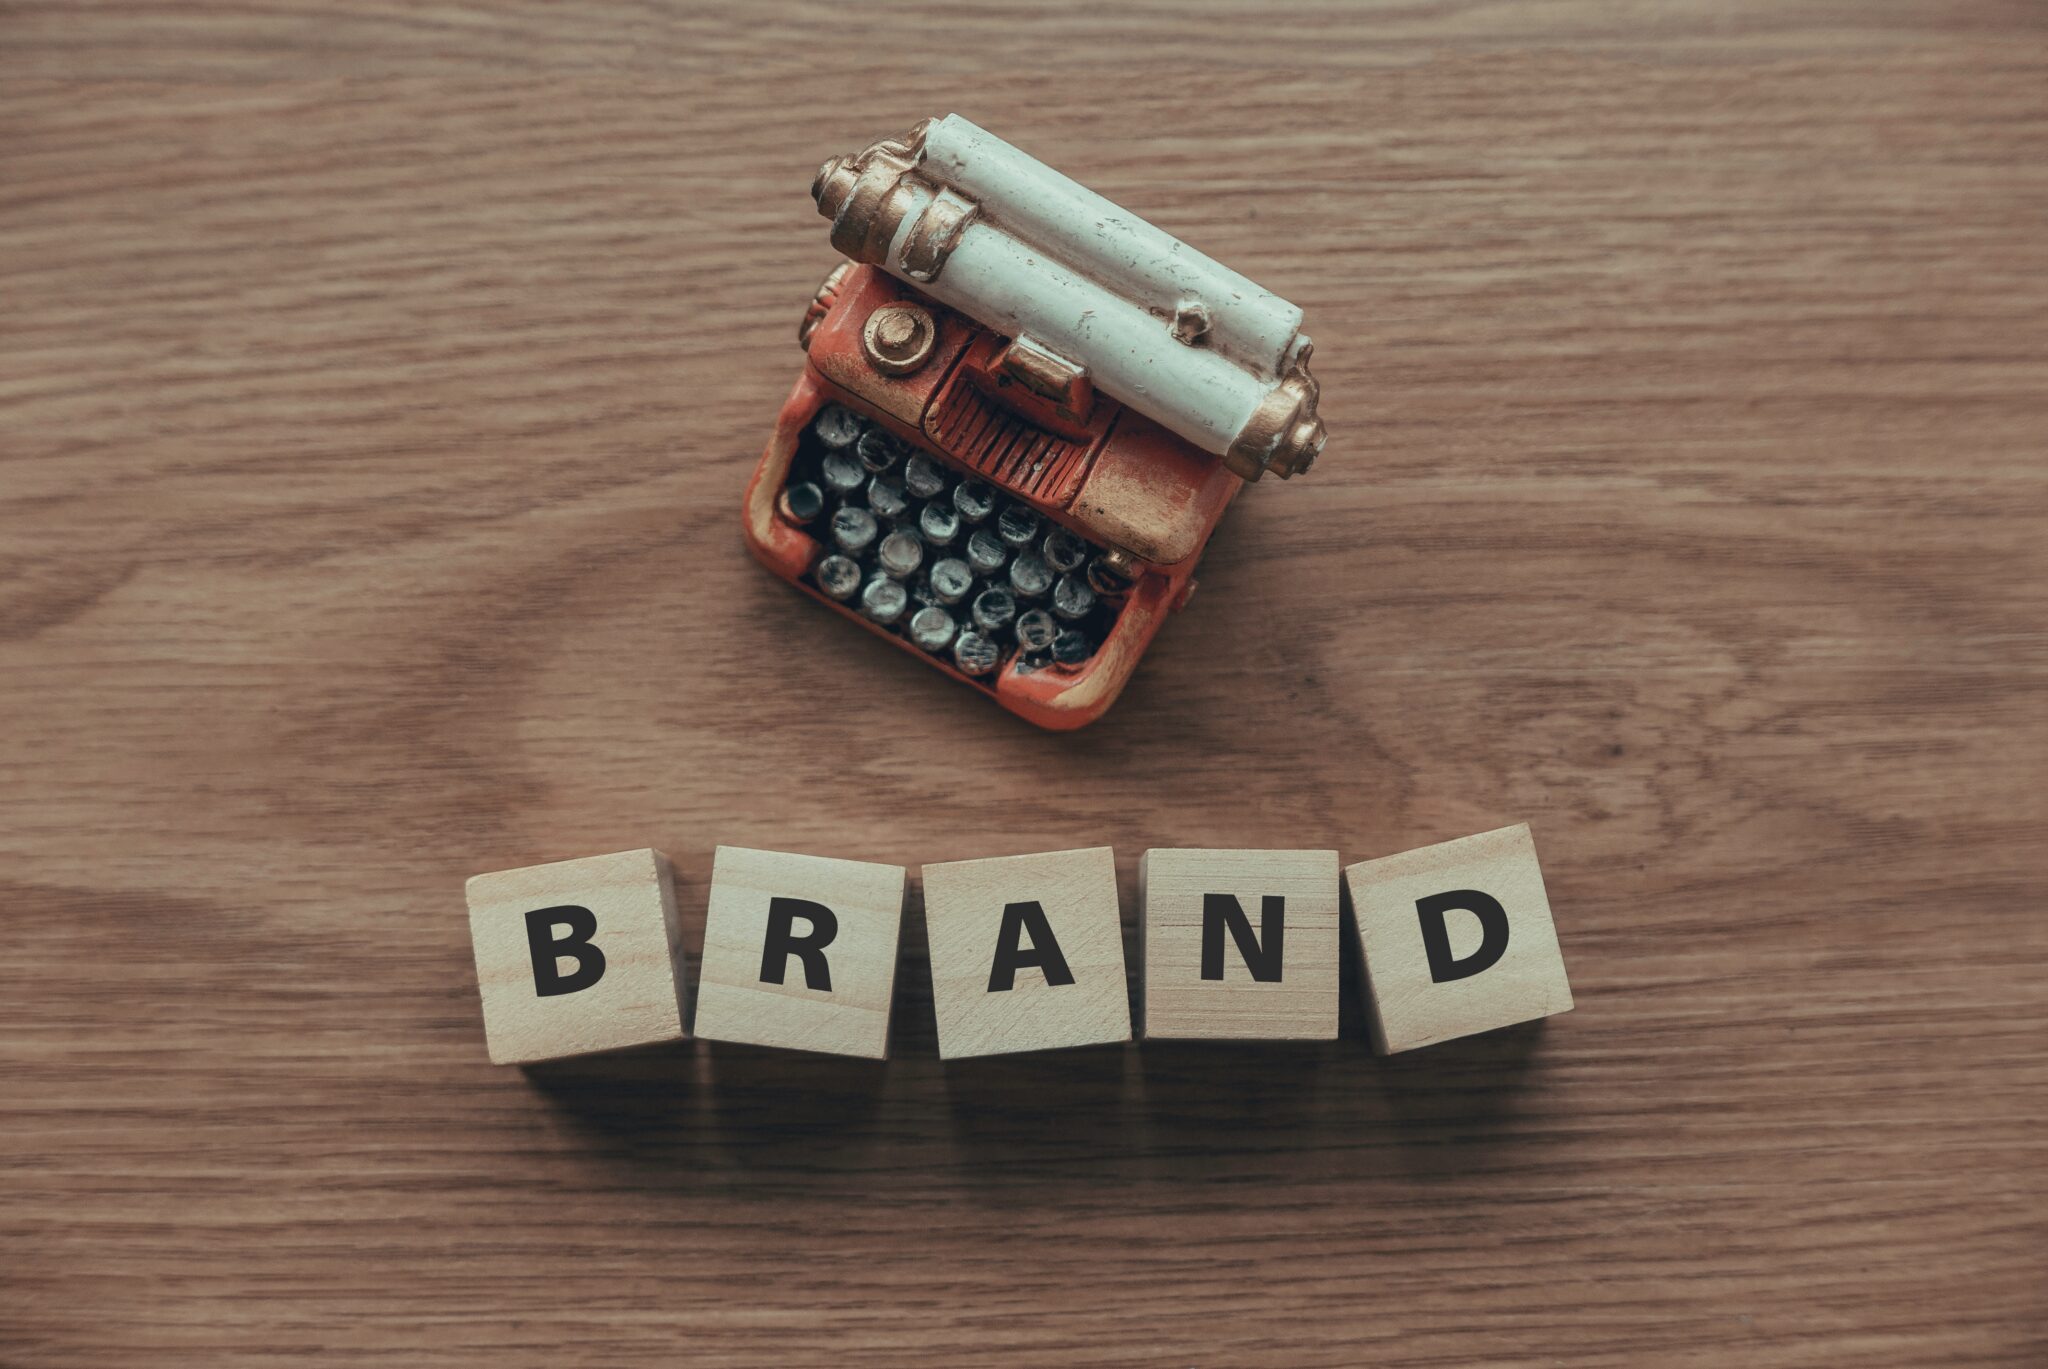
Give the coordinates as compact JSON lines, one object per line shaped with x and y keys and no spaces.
{"x":1027,"y":952}
{"x":1457,"y":939}
{"x":578,"y":956}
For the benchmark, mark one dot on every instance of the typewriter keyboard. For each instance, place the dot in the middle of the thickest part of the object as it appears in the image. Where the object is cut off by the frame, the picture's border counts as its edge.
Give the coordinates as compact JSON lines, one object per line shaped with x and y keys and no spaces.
{"x":942,"y":558}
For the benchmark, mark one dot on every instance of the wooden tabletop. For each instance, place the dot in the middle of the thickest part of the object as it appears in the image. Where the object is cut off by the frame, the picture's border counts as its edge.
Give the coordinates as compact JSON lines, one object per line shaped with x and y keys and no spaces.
{"x":377,"y":390}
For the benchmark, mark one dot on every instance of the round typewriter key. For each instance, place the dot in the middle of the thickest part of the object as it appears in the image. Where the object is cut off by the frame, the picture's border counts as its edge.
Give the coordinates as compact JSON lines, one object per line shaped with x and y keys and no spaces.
{"x":986,"y":552}
{"x":1071,"y":648}
{"x":884,"y":599}
{"x":975,"y":654}
{"x":1071,"y":597}
{"x":1064,"y":551}
{"x":838,"y":426}
{"x":939,"y":524}
{"x":853,"y":529}
{"x":923,"y":476}
{"x":1036,"y":629}
{"x":801,"y":502}
{"x":994,"y":610}
{"x":932,"y":628}
{"x":842,"y":473}
{"x":951,"y":580}
{"x":1017,"y":525}
{"x":1106,"y":578}
{"x":1029,"y":576}
{"x":886,"y":498}
{"x":878,"y":451}
{"x":974,"y":500}
{"x":838,"y":577}
{"x":900,"y":555}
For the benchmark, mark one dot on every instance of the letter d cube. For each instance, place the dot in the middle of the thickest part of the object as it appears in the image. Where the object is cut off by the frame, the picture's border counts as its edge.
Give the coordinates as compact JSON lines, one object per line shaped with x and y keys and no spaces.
{"x":578,"y":956}
{"x":1457,"y":939}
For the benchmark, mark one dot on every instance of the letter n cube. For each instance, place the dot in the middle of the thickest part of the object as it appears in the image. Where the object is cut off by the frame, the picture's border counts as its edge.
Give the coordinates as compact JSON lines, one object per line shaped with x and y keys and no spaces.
{"x":1240,"y":945}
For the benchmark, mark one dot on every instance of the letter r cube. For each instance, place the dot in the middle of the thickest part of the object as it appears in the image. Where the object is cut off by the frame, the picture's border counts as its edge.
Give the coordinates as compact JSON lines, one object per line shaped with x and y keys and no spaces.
{"x":578,"y":956}
{"x":800,"y":952}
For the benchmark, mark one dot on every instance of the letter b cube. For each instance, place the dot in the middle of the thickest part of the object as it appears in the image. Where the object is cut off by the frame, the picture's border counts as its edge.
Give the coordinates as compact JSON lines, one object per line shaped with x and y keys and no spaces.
{"x":578,"y":956}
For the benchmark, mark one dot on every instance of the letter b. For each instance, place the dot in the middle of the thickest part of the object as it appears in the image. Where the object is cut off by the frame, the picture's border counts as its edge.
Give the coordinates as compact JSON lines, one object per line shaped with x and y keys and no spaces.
{"x":548,"y":950}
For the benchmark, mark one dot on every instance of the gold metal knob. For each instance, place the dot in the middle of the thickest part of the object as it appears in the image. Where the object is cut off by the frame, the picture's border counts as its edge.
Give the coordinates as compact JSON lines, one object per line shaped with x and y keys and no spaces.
{"x":898,"y":338}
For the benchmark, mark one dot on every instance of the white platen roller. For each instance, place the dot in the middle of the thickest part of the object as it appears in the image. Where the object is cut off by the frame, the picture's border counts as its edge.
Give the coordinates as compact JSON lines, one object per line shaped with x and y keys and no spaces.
{"x":1153,"y":268}
{"x":985,"y":229}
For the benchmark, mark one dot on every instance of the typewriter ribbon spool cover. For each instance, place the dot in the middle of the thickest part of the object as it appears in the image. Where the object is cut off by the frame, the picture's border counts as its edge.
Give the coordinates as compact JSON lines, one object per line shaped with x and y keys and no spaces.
{"x":1023,"y":413}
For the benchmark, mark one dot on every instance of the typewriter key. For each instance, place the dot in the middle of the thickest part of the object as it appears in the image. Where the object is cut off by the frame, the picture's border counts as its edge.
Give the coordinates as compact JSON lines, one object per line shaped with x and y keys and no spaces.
{"x":1064,"y":551}
{"x":1071,"y":648}
{"x":923,"y":476}
{"x":884,"y":599}
{"x":986,"y":552}
{"x":1071,"y":598}
{"x":838,"y":426}
{"x":853,"y":529}
{"x":939,"y":524}
{"x":951,"y":580}
{"x":994,"y":610}
{"x":932,"y":628}
{"x":975,"y":654}
{"x":900,"y":555}
{"x":1029,"y":576}
{"x":838,"y":577}
{"x":1017,"y":525}
{"x":801,"y":502}
{"x":1108,"y":576}
{"x":974,"y":500}
{"x":1036,"y":629}
{"x":878,"y":451}
{"x":886,"y":498}
{"x":842,"y":473}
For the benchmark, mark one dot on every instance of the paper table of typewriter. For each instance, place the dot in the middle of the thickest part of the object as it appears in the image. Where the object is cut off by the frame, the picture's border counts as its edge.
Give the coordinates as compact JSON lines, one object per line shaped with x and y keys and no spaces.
{"x":1025,"y":410}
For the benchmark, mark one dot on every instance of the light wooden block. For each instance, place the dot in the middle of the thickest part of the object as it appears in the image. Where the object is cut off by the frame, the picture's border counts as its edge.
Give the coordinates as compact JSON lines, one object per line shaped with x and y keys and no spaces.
{"x":975,"y":908}
{"x":1420,"y":993}
{"x":616,"y":919}
{"x":1239,"y":945}
{"x":800,"y":952}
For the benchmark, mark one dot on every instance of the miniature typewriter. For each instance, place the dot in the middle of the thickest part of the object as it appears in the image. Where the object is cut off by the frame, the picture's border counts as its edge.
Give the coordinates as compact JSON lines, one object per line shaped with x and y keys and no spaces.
{"x":1024,"y":412}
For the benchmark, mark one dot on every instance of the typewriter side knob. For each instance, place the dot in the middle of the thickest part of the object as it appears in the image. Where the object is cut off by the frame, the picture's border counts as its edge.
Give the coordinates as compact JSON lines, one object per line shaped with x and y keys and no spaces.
{"x":1284,"y":435}
{"x":821,"y":303}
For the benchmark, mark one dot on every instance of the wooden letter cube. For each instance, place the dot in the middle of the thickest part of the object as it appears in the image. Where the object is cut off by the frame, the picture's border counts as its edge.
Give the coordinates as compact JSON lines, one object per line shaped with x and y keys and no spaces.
{"x":1027,"y":953}
{"x":578,"y":956}
{"x":800,"y":952}
{"x":1240,"y":944}
{"x":1457,"y":939}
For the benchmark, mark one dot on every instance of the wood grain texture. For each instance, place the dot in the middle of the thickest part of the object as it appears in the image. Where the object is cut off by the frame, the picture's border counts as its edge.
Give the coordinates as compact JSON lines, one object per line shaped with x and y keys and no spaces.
{"x":377,"y":390}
